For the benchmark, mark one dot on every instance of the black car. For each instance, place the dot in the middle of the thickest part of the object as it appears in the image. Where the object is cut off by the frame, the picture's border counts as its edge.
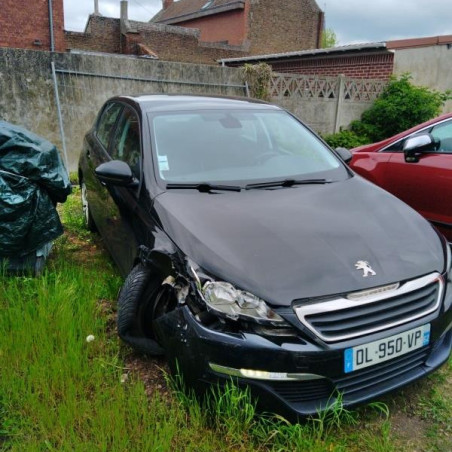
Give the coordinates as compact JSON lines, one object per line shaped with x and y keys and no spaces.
{"x":253,"y":252}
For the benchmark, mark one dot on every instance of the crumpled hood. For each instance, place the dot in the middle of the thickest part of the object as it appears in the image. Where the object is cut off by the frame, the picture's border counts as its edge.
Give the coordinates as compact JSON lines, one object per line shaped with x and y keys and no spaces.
{"x":303,"y":241}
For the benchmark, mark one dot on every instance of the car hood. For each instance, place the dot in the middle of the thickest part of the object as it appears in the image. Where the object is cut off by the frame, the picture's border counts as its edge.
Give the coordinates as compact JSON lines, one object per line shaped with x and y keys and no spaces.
{"x":301,"y":242}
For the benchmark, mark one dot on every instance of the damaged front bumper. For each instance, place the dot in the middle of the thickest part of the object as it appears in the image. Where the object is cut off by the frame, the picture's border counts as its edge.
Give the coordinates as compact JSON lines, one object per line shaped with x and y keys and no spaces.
{"x":293,"y":376}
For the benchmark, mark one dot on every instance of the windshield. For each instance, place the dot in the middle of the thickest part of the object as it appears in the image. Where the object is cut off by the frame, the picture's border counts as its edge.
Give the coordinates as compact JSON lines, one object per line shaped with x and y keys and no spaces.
{"x":238,"y":146}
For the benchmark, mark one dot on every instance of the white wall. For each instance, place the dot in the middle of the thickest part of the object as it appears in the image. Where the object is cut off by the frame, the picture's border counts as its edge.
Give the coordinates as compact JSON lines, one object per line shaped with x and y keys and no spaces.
{"x":429,"y":66}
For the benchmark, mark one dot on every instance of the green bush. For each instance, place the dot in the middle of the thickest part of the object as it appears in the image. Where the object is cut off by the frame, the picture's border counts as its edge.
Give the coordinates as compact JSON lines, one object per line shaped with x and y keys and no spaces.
{"x":401,"y":106}
{"x":345,"y":139}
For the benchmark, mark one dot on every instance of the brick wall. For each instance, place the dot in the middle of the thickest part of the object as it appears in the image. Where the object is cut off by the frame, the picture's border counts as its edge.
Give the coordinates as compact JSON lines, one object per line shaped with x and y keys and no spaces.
{"x":101,"y":35}
{"x":169,"y":43}
{"x":264,"y":26}
{"x":229,"y":26}
{"x":28,"y":27}
{"x":276,"y":26}
{"x":373,"y":66}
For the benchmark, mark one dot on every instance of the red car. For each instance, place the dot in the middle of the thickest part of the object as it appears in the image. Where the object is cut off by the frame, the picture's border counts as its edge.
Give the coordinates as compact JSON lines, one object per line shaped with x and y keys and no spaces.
{"x":415,"y":166}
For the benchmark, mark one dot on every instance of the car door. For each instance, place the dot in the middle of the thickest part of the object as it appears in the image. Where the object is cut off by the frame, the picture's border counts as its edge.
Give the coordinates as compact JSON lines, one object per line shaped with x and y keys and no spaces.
{"x":425,"y":185}
{"x":122,"y":216}
{"x":96,"y":145}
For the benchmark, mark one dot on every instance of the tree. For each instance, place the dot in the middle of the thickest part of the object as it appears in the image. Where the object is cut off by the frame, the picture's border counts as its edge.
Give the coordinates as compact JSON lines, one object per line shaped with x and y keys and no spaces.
{"x":329,"y":38}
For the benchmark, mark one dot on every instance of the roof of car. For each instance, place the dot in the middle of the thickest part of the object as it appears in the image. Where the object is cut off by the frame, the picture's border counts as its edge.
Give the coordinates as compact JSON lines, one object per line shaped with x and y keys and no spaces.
{"x":172,"y":102}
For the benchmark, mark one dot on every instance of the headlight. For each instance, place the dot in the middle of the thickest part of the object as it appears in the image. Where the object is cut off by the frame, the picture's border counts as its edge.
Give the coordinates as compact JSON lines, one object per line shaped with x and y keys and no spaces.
{"x":224,"y":299}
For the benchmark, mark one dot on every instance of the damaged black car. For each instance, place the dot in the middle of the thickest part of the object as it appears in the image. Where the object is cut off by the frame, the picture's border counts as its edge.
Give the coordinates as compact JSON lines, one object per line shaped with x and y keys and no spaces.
{"x":252,"y":251}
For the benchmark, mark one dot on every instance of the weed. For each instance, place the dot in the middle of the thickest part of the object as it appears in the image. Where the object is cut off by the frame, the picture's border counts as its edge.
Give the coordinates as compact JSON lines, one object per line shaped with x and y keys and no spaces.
{"x":334,"y":416}
{"x":233,"y":411}
{"x":436,"y":407}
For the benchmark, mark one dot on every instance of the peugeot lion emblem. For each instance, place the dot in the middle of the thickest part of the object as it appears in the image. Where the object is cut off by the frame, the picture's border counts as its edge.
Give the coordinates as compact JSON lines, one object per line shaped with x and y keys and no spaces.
{"x":366,"y":268}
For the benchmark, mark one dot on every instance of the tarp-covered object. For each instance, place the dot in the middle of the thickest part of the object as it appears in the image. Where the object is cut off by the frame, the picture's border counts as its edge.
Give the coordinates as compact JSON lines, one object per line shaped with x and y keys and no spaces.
{"x":32,"y":180}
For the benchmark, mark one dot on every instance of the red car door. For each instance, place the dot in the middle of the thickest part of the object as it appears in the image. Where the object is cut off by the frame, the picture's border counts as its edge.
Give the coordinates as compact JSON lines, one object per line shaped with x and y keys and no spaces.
{"x":426,"y":185}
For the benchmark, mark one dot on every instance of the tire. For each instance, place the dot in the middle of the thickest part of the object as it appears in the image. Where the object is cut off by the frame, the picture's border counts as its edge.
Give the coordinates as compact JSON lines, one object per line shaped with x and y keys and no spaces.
{"x":142,"y":299}
{"x":87,"y":217}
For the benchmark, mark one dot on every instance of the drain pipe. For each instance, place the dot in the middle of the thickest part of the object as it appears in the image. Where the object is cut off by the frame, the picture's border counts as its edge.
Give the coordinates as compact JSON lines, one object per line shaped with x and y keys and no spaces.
{"x":52,"y":40}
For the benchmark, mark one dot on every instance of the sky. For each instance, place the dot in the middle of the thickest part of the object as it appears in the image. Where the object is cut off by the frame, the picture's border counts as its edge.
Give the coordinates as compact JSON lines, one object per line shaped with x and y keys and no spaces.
{"x":353,"y":21}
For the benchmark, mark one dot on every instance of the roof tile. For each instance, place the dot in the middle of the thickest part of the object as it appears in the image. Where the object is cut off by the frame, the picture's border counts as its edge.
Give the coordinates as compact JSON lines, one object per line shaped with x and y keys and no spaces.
{"x":184,"y":8}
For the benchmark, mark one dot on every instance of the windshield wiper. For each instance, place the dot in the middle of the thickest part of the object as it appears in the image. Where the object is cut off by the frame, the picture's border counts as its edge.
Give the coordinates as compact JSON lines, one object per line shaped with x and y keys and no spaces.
{"x":287,"y":183}
{"x":204,"y":187}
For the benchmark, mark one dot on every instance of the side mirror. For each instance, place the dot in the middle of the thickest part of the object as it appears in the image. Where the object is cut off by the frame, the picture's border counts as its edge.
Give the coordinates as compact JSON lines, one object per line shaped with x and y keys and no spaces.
{"x":344,"y":154}
{"x":117,"y":173}
{"x":417,"y":144}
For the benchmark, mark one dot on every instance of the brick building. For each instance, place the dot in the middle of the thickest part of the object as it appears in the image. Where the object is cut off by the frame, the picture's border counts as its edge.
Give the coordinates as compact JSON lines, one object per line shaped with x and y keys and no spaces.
{"x":195,"y":31}
{"x":262,"y":25}
{"x":157,"y":41}
{"x":36,"y":24}
{"x":203,"y":31}
{"x":424,"y":58}
{"x":370,"y":61}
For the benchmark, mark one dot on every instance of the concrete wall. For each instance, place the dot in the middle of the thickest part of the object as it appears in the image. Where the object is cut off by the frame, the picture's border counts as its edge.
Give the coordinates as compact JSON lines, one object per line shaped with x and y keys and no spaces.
{"x":322,"y":115}
{"x":28,"y":96}
{"x":85,"y":82}
{"x":429,"y":66}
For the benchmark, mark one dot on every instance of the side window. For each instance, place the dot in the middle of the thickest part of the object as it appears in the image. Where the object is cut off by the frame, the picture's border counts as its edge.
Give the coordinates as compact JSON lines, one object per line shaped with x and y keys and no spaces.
{"x":106,"y":123}
{"x":126,"y":144}
{"x":397,"y":146}
{"x":442,"y":134}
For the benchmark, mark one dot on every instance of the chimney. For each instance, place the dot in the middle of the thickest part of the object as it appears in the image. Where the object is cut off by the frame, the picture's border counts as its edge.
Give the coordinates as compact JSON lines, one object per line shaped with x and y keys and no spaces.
{"x":124,"y":14}
{"x":167,"y":3}
{"x":96,"y":8}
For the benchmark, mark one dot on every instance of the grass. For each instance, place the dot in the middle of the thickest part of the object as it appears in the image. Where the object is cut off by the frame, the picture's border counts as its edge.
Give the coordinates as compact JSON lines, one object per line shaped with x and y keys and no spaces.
{"x":59,"y":392}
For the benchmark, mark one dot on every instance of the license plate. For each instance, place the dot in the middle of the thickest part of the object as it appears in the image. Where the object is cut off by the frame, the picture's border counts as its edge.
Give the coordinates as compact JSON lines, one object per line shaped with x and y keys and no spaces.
{"x":385,"y":349}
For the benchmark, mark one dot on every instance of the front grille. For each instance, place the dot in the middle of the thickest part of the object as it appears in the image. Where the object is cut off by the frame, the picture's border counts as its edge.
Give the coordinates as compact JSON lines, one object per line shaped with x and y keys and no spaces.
{"x":343,"y":318}
{"x":369,"y":379}
{"x":303,"y":391}
{"x":355,"y":386}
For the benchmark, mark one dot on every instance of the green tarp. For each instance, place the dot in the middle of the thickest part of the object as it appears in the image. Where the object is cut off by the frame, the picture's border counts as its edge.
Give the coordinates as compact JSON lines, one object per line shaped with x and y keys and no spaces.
{"x":32,"y":180}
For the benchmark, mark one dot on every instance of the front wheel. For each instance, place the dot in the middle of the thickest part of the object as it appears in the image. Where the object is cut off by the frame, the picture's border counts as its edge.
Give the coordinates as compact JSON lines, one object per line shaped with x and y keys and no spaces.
{"x":143,"y":298}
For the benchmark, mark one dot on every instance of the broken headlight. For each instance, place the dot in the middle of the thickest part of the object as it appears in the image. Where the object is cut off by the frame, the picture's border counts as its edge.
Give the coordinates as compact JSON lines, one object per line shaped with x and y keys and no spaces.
{"x":227,"y":301}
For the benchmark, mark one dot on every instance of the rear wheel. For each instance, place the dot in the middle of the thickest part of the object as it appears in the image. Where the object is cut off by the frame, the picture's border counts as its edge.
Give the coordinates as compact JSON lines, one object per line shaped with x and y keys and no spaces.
{"x":88,"y":219}
{"x":143,"y":299}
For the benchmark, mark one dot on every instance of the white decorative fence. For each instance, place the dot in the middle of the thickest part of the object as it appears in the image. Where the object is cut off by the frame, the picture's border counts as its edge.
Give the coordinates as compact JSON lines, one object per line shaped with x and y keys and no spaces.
{"x":325,"y":103}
